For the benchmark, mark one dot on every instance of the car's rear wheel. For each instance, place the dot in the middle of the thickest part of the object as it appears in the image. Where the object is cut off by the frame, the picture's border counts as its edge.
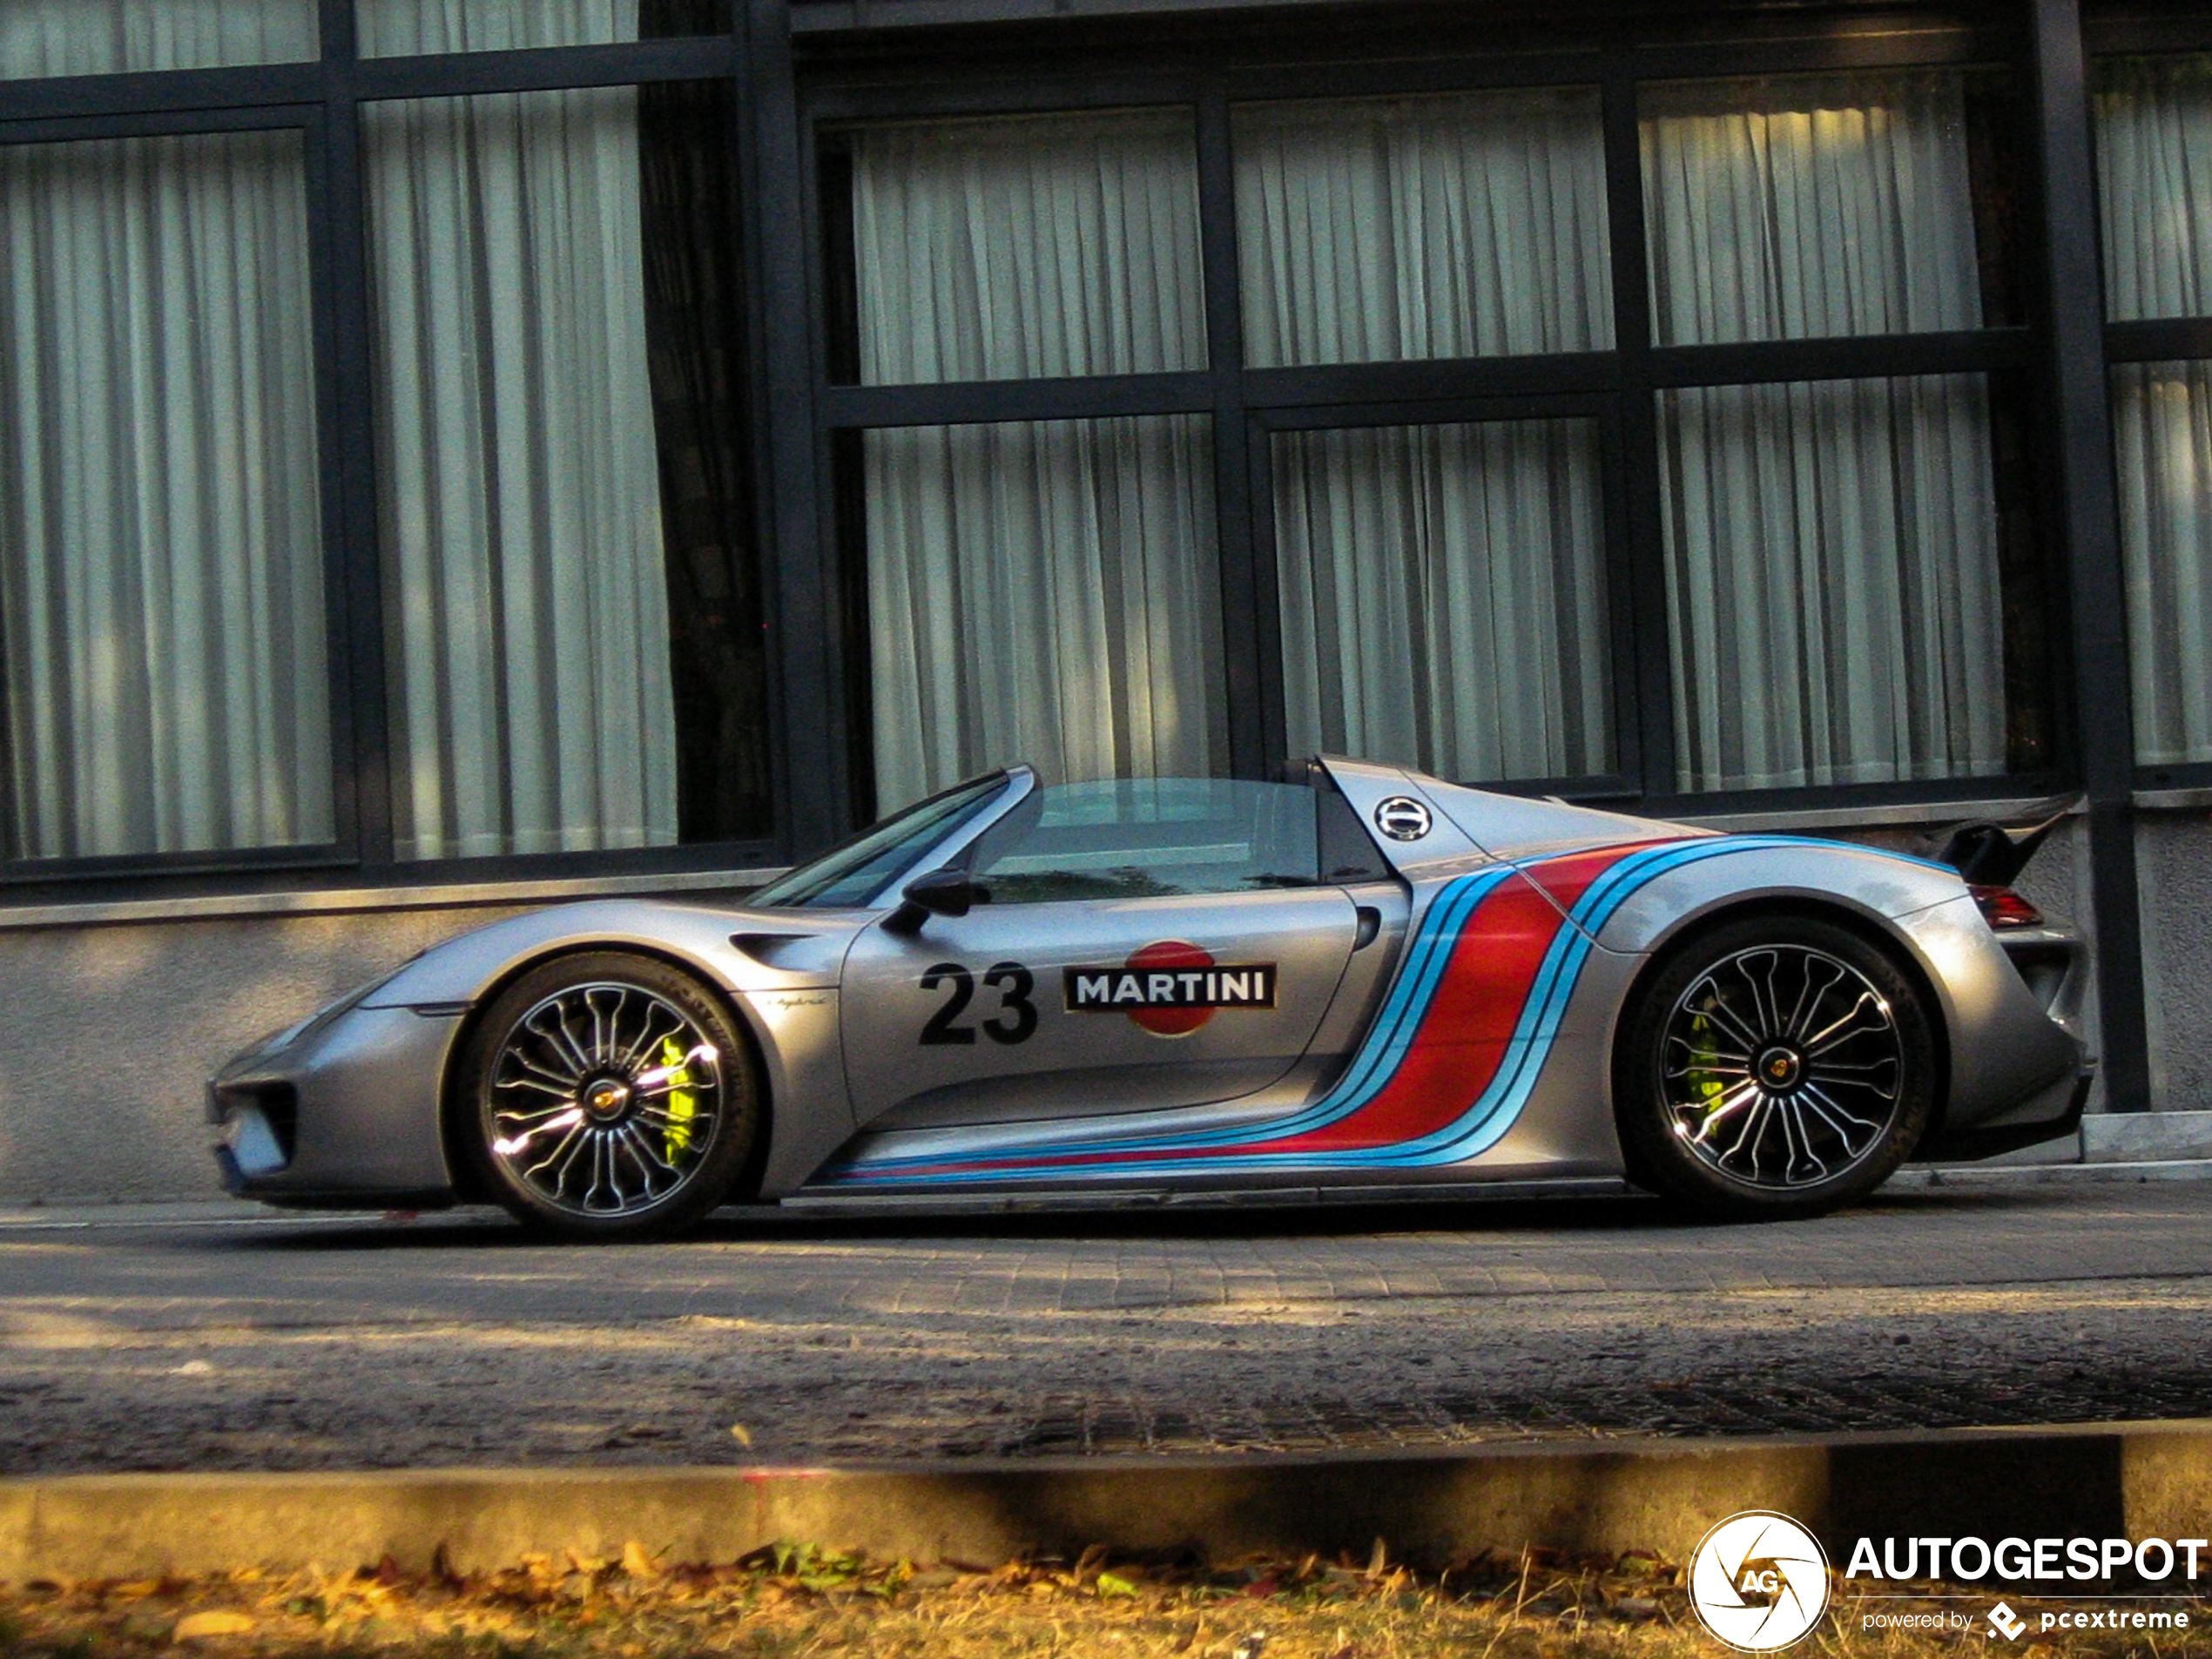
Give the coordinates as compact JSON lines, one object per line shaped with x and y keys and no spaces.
{"x":1774,"y":1068}
{"x":607,"y":1095}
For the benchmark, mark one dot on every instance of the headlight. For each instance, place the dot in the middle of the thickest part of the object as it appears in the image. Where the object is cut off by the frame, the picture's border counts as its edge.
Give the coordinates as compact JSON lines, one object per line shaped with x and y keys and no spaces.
{"x":277,"y":1041}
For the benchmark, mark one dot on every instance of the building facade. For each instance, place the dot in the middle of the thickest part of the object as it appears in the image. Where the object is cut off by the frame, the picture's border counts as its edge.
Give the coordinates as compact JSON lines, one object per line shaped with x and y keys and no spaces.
{"x":457,"y":455}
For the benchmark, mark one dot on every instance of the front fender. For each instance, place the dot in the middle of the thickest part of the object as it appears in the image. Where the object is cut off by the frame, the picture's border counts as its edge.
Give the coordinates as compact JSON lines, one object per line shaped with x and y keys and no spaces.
{"x":807,"y":954}
{"x":779,"y":971}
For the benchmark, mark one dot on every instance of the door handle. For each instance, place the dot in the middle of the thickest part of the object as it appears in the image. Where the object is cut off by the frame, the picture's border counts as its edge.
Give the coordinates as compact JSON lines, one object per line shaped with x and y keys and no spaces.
{"x":1370,"y":921}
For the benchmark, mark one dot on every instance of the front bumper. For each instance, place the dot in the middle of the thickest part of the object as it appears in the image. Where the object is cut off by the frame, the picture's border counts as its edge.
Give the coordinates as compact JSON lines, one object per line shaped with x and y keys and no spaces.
{"x":342,"y":1113}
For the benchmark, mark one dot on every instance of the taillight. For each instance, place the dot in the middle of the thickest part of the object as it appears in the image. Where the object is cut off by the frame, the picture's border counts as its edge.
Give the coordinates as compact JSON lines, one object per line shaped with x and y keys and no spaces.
{"x":2004,"y":908}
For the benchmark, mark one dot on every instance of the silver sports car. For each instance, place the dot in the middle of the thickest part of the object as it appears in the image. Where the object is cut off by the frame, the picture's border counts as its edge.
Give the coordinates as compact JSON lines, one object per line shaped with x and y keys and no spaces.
{"x":1358,"y":981}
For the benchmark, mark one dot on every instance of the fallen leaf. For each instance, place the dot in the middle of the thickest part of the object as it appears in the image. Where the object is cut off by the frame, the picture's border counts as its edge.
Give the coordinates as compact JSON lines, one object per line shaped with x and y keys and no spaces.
{"x":195,"y":1627}
{"x":743,"y":1436}
{"x":1112,"y":1584}
{"x":636,"y":1562}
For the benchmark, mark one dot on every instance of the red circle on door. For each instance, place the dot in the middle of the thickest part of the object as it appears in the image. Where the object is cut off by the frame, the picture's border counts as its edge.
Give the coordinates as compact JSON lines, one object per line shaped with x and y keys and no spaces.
{"x":1166,"y":954}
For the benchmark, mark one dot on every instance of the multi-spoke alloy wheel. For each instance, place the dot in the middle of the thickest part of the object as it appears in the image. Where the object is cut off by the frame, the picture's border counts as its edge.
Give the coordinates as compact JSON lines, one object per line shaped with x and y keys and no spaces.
{"x":610,"y":1097}
{"x":1781,"y":1066}
{"x":1774,"y":1068}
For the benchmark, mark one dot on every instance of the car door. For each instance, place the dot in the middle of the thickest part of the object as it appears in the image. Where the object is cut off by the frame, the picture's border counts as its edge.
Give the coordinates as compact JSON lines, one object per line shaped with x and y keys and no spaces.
{"x":1153,"y":944}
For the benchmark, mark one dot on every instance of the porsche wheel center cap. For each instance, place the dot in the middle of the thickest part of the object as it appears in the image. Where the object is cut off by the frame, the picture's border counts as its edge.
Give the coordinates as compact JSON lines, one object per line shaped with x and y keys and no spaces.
{"x":1780,"y":1067}
{"x":606,"y":1098}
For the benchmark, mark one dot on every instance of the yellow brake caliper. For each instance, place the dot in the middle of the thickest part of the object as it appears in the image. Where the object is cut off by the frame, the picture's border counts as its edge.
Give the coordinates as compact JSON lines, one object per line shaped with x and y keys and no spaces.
{"x":1706,"y":1085}
{"x":683,"y":1105}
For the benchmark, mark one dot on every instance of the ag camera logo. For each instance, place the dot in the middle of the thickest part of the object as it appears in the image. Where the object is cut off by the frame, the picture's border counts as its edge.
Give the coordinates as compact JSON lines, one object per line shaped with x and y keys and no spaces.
{"x":1759,"y":1582}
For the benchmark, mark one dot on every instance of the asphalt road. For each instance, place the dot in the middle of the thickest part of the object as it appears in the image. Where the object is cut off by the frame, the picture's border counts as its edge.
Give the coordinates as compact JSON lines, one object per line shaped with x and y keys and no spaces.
{"x":176,"y":1340}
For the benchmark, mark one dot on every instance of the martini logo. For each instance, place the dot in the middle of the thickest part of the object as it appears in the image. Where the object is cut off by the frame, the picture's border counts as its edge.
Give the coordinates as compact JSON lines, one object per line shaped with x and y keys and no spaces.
{"x":1171,"y":989}
{"x":1759,"y":1582}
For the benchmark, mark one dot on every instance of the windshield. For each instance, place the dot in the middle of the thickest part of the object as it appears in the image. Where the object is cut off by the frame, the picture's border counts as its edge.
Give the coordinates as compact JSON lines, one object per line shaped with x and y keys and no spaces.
{"x":855,"y":872}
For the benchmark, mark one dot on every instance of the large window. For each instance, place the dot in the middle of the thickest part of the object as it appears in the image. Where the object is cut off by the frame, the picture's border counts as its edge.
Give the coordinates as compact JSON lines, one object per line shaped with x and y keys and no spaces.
{"x":1444,"y":597}
{"x":1041,"y":590}
{"x":42,"y":37}
{"x":1027,"y":248}
{"x":377,"y":482}
{"x":163,"y":655}
{"x":559,"y":494}
{"x":403,"y":28}
{"x":1044,"y":591}
{"x":1809,"y":207}
{"x":1832,"y":583}
{"x":1383,"y":229}
{"x":2154,"y":192}
{"x":1834,"y":547}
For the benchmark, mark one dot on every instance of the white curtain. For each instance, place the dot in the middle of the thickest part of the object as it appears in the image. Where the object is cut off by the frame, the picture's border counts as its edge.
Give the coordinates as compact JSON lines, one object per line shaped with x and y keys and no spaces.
{"x":1832,"y":583}
{"x":2162,"y":439}
{"x":160,"y":543}
{"x":1037,"y":590}
{"x":40,"y":37}
{"x":403,"y":28}
{"x":1040,"y":246}
{"x":1443,"y":597}
{"x":1808,"y":207}
{"x":1380,"y":230}
{"x":1832,"y":547}
{"x":2154,"y":186}
{"x":520,"y":499}
{"x":1042,"y":591}
{"x":2154,"y":195}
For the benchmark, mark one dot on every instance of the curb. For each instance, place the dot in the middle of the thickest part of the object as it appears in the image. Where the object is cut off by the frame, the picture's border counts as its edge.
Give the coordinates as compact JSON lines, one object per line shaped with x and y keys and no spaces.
{"x":1922,"y":1177}
{"x":2137,"y":1479}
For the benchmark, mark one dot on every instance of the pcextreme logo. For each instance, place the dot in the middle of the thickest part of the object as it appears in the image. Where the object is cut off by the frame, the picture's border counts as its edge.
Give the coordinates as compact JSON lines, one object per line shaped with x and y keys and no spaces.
{"x":1759,"y":1582}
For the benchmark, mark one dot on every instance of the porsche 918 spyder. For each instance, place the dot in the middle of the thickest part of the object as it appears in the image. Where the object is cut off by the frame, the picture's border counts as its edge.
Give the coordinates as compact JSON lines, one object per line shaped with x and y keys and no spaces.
{"x":1358,"y":981}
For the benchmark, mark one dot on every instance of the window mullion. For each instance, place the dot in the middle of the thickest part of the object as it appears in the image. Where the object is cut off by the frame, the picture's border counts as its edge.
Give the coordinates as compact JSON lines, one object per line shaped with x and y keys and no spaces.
{"x":1645,"y":705}
{"x":2090,"y":525}
{"x":358,"y":640}
{"x":1250,"y":651}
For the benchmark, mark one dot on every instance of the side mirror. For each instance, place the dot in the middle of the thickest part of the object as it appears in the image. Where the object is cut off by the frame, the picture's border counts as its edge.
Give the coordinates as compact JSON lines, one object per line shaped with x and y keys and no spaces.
{"x":942,"y":893}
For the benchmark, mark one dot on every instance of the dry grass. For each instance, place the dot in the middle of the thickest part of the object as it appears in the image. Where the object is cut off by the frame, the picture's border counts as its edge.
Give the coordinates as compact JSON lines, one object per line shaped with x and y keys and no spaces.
{"x":800,"y":1601}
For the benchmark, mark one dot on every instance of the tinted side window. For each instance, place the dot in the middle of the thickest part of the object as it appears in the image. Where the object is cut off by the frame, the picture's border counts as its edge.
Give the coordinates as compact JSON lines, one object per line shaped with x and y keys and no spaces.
{"x":1143,"y":838}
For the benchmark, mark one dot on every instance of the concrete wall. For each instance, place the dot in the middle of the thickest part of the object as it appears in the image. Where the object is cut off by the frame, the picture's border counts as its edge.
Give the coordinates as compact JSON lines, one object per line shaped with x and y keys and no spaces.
{"x":2174,"y":873}
{"x":109,"y":1034}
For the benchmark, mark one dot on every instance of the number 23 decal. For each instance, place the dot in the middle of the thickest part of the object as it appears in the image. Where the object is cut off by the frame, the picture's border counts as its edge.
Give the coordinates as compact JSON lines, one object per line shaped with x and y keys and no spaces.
{"x":1013,"y":1022}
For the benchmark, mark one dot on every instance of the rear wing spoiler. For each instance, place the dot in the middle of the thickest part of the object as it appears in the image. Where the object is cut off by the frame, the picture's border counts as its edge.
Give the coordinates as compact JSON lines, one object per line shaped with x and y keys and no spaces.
{"x":1993,"y":855}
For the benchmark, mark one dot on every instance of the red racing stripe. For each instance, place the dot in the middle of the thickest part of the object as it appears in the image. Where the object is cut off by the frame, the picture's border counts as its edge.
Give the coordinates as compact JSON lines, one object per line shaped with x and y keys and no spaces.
{"x":1473,"y":1015}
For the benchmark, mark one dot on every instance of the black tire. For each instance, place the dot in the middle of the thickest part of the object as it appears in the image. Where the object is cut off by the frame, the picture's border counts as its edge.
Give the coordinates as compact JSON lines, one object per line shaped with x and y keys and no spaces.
{"x":1773,"y":1067}
{"x":606,"y":1097}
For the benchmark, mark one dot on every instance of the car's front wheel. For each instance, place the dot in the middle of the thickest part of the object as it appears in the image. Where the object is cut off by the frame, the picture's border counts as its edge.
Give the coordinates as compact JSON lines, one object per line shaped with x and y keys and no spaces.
{"x":607,"y":1095}
{"x":1774,"y":1068}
